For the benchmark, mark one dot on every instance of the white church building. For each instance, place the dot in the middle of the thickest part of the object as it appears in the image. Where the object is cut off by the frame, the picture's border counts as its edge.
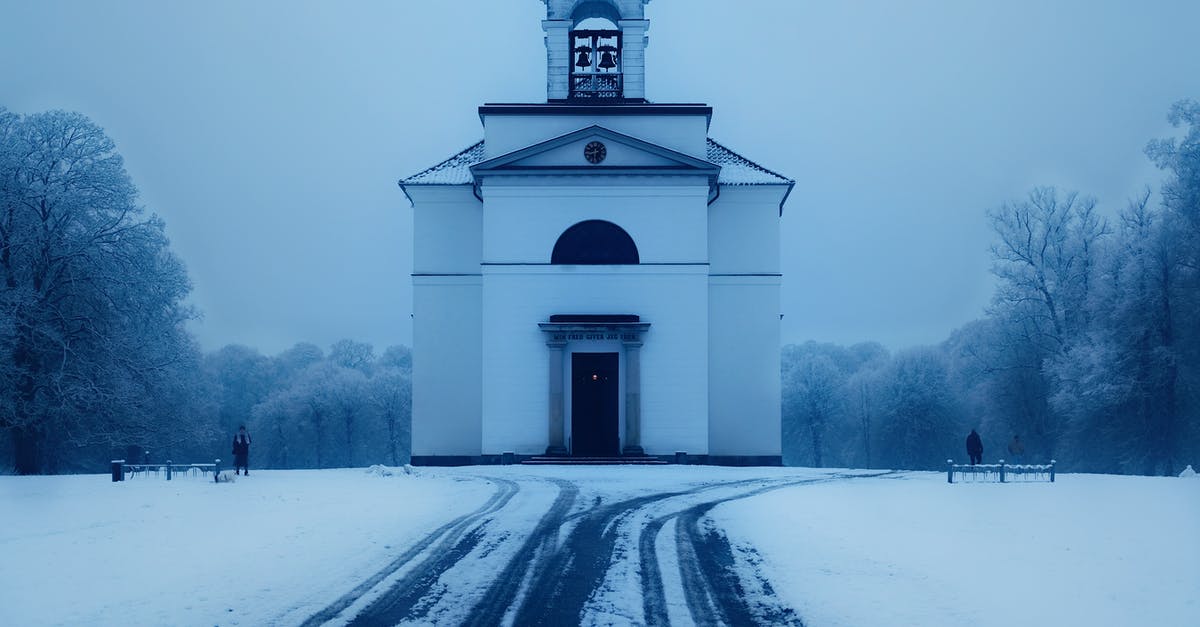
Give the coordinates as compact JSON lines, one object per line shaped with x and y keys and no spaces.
{"x":597,"y":277}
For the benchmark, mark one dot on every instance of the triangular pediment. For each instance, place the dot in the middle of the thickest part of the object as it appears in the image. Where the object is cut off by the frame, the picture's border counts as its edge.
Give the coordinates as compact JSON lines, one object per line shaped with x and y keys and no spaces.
{"x":596,"y":150}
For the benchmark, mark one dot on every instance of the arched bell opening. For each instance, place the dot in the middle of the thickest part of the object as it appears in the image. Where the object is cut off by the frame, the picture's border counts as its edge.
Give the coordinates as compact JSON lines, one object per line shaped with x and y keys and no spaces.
{"x":595,"y":242}
{"x":595,"y":9}
{"x":596,"y":52}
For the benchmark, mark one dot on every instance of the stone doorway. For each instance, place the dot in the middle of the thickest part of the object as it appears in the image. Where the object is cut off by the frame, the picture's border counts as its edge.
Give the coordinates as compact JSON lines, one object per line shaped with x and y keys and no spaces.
{"x":595,"y":417}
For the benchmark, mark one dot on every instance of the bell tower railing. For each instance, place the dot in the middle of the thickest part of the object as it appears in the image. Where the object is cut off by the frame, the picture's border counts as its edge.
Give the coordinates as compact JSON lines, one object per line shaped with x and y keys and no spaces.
{"x":596,"y":65}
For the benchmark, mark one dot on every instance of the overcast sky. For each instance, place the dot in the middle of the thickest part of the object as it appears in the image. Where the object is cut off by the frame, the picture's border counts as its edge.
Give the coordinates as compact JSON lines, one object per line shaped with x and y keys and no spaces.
{"x":270,"y":134}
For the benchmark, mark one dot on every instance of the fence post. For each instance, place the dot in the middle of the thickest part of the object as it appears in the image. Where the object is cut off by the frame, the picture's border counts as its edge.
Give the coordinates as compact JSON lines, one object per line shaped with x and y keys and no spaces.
{"x":1052,"y":462}
{"x":1002,"y":471}
{"x":949,"y":471}
{"x":168,"y":470}
{"x":118,"y":470}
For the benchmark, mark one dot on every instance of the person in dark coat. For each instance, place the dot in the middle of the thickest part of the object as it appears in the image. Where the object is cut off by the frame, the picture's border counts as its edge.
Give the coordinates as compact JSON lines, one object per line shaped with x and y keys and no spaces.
{"x":975,"y":448}
{"x":241,"y":451}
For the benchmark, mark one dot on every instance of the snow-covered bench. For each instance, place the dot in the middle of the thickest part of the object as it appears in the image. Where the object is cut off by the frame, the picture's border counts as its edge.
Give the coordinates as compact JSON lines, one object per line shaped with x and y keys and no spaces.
{"x":1002,"y":472}
{"x":120,"y":469}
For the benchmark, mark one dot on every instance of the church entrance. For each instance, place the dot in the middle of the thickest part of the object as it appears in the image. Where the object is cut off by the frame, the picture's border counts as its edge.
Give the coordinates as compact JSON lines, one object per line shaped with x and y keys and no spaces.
{"x":594,"y":409}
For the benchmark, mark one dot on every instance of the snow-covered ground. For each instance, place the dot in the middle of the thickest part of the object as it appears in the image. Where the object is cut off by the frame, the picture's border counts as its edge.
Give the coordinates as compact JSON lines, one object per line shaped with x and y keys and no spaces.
{"x":1091,"y":550}
{"x":81,"y":550}
{"x":903,"y":549}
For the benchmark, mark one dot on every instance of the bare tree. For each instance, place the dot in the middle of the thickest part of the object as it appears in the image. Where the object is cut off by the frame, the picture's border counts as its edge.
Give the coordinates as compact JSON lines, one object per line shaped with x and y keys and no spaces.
{"x":1045,"y":255}
{"x":92,"y":297}
{"x":1045,"y":258}
{"x":391,"y":395}
{"x":354,"y":355}
{"x":1119,"y":383}
{"x":1181,"y":158}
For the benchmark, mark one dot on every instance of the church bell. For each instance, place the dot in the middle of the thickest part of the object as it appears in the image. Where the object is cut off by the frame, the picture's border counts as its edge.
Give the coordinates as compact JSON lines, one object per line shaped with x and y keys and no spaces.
{"x":607,"y":61}
{"x":584,"y":60}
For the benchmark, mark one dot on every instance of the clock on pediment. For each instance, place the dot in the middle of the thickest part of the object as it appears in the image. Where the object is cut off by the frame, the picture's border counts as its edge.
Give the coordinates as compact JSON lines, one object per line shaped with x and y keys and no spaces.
{"x":595,"y":152}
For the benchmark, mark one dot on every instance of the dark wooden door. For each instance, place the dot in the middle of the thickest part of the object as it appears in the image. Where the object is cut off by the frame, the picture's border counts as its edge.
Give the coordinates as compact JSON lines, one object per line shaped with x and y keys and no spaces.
{"x":594,"y":410}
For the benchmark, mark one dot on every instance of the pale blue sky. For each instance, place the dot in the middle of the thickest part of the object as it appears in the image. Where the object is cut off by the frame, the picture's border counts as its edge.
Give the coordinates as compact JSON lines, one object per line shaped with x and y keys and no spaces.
{"x":270,"y":134}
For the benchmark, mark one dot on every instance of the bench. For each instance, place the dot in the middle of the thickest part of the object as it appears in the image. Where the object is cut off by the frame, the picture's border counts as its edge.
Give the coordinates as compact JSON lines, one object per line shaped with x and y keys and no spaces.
{"x":1001,"y":473}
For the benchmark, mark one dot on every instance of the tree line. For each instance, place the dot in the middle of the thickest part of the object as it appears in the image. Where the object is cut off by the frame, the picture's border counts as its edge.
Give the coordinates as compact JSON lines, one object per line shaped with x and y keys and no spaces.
{"x":95,"y":357}
{"x":308,"y":409}
{"x":1090,"y":350}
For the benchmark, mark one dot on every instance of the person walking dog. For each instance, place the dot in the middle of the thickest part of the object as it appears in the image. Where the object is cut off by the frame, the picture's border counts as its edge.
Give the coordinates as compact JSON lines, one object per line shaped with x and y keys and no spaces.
{"x":241,"y":451}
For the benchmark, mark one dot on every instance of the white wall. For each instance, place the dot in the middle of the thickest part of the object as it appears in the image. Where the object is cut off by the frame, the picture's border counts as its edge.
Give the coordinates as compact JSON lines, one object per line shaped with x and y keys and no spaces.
{"x":673,"y":299}
{"x":684,"y":133}
{"x":743,"y":230}
{"x":744,"y":385}
{"x":744,"y":309}
{"x":447,"y":341}
{"x":447,"y":230}
{"x":708,"y":285}
{"x":666,"y":217}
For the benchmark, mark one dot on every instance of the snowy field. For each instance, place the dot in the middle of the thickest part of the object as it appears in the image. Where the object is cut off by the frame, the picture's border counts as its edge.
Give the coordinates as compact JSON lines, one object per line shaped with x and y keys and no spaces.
{"x":904,"y":549}
{"x":1087,"y":550}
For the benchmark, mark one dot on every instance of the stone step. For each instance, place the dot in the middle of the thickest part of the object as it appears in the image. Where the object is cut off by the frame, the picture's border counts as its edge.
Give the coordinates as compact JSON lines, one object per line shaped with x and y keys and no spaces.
{"x":546,"y":460}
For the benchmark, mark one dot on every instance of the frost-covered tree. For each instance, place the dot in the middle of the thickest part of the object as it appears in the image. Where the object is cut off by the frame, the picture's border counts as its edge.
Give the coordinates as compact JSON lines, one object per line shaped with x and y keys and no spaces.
{"x":354,"y":355}
{"x":996,"y":370}
{"x":347,"y":396}
{"x":243,"y":378}
{"x":347,"y":408}
{"x":920,"y":414}
{"x":397,"y":357}
{"x":391,"y":395}
{"x":275,"y":424}
{"x":292,"y":362}
{"x":1119,"y":383}
{"x":1045,"y":256}
{"x":826,"y":418}
{"x":811,"y":384}
{"x":91,"y":308}
{"x":1180,"y":158}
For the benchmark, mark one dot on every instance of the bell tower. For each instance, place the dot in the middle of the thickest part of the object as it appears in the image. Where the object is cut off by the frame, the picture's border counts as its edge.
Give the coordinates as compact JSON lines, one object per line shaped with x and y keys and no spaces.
{"x":595,"y":51}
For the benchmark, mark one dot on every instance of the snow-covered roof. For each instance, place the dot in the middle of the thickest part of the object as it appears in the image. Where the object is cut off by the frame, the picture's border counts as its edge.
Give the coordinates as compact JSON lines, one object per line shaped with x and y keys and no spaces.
{"x":735,"y":169}
{"x":453,"y":171}
{"x":738,"y":170}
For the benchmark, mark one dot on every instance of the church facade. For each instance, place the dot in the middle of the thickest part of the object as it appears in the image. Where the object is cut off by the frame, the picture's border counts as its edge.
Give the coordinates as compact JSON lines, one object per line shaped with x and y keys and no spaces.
{"x":596,"y":277}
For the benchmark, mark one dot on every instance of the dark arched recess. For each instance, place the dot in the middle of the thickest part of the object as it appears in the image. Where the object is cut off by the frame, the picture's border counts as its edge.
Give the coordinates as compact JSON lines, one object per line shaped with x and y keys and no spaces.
{"x":595,"y":242}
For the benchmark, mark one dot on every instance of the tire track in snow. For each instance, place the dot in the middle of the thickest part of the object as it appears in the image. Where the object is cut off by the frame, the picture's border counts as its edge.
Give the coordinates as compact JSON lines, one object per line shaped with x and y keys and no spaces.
{"x":565,"y":579}
{"x":544,"y":539}
{"x":446,"y":537}
{"x":417,"y":594}
{"x":714,"y":593}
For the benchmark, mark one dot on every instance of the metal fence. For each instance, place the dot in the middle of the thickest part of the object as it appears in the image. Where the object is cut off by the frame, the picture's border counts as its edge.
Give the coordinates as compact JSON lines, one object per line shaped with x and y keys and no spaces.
{"x":999,"y":473}
{"x":122,"y":471}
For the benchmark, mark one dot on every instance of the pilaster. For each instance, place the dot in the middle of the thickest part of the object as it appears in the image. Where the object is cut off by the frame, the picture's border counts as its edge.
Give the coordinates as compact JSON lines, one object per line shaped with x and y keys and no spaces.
{"x":557,"y":444}
{"x":558,"y":58}
{"x":633,"y":399}
{"x":633,"y":56}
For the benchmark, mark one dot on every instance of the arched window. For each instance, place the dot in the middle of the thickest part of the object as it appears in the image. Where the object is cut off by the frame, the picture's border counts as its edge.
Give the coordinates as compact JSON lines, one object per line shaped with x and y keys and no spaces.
{"x":595,"y":242}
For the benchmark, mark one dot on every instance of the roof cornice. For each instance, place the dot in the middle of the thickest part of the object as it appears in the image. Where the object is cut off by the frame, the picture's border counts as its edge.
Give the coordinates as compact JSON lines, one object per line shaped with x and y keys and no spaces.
{"x":593,"y":109}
